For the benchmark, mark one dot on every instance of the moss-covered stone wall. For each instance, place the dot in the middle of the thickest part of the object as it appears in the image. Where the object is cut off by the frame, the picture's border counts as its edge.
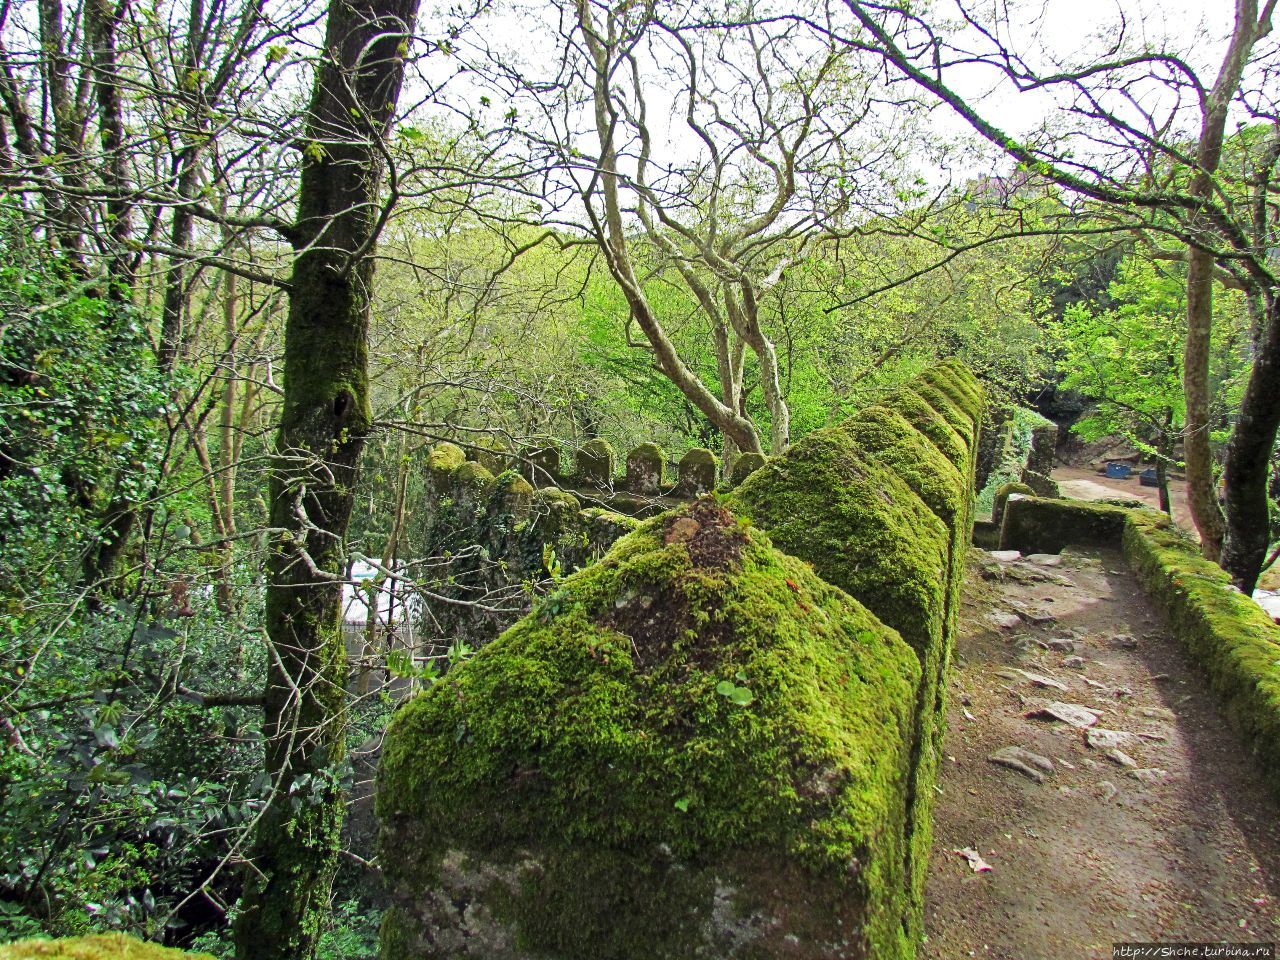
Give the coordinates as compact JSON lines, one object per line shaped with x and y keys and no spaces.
{"x":881,"y":505}
{"x":103,"y":946}
{"x":721,"y":740}
{"x":1039,"y":525}
{"x":496,"y":541}
{"x":1225,"y":633}
{"x":1017,"y":446}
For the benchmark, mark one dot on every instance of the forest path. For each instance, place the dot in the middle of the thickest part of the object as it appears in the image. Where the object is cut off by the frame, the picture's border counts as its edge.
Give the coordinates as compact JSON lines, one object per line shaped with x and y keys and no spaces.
{"x":1184,"y":844}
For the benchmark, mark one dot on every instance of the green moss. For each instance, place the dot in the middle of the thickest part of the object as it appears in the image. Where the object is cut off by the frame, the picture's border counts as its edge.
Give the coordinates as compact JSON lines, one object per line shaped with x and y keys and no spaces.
{"x":916,"y":410}
{"x":1227,"y":634}
{"x":103,"y":946}
{"x":555,"y":513}
{"x":960,"y":386}
{"x":898,"y":445}
{"x":605,"y":527}
{"x":1003,"y":492}
{"x":880,"y":505}
{"x":829,"y":502}
{"x":512,"y":496}
{"x":950,"y":410}
{"x":1035,"y":525}
{"x":473,"y":477}
{"x":445,"y":458}
{"x":591,"y":739}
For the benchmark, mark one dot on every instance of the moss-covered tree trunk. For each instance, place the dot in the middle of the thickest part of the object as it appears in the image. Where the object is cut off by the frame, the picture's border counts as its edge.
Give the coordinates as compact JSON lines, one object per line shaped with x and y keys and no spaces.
{"x":323,"y":427}
{"x":1249,"y":460}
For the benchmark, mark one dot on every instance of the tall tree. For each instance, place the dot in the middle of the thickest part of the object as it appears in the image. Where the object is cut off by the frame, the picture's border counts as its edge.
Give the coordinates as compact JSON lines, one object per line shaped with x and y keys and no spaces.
{"x":324,"y":424}
{"x":702,"y":150}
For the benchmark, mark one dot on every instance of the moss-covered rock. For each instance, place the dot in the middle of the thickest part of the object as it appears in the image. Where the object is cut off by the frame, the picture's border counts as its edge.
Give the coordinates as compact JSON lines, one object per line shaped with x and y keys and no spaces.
{"x":986,"y":534}
{"x":1003,"y":493}
{"x":444,"y":458}
{"x":512,"y":496}
{"x":594,"y":464}
{"x":697,"y":473}
{"x":959,"y":385}
{"x":897,"y":444}
{"x":695,"y":747}
{"x":1035,"y":525}
{"x":1038,"y":471}
{"x":102,"y":946}
{"x":954,"y":411}
{"x":472,"y":479}
{"x":645,"y":465}
{"x":994,"y":443}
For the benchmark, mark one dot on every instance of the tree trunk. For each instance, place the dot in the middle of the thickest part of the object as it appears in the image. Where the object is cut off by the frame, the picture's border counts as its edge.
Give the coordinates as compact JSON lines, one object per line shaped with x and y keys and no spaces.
{"x":1164,"y":457}
{"x":1202,"y":495}
{"x":612,"y":236}
{"x":1201,"y":491}
{"x":770,"y":377}
{"x":324,"y":423}
{"x":1249,"y":460}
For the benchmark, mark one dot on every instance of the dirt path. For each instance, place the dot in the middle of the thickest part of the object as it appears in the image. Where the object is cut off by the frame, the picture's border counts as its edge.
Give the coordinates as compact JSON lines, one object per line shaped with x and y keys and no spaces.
{"x":1183,"y":845}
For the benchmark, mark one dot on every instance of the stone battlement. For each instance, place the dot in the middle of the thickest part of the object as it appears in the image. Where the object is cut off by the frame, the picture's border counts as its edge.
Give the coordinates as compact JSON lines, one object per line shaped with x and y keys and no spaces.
{"x":721,"y":738}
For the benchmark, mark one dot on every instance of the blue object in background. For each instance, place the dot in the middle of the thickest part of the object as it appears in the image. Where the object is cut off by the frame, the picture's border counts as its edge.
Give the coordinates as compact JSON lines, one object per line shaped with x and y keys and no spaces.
{"x":1148,"y":477}
{"x":1118,"y":471}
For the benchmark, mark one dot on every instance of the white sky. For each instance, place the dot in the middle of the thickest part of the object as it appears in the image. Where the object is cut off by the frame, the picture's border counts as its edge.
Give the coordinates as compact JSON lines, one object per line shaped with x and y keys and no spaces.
{"x":1063,"y":32}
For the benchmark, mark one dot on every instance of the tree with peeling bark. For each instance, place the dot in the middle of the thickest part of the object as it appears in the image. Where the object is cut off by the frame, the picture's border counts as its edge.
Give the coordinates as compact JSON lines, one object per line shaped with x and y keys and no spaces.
{"x":1148,"y":127}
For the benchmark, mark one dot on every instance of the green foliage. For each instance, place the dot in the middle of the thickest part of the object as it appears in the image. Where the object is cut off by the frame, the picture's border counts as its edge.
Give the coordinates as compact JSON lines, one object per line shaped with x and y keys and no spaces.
{"x":1128,"y":358}
{"x":80,"y":402}
{"x":350,"y":932}
{"x":117,"y":793}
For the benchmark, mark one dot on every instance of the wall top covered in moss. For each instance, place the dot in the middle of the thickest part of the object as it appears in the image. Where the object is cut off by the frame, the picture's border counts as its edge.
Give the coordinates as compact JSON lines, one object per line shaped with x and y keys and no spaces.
{"x":694,"y":697}
{"x":104,"y":946}
{"x":701,"y":745}
{"x":642,"y":488}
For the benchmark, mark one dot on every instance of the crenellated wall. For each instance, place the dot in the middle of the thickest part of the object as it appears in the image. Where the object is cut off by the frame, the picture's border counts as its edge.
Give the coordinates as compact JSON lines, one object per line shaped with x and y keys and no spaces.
{"x":495,"y":538}
{"x":721,"y":739}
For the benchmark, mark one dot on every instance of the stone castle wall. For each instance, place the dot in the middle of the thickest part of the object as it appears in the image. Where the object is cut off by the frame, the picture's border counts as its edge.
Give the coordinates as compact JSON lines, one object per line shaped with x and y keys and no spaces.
{"x":721,"y":739}
{"x":497,"y":541}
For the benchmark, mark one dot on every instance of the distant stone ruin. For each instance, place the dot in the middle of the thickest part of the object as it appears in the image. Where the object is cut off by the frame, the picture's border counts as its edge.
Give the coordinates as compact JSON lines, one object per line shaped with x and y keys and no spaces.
{"x":721,"y":739}
{"x":498,"y":535}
